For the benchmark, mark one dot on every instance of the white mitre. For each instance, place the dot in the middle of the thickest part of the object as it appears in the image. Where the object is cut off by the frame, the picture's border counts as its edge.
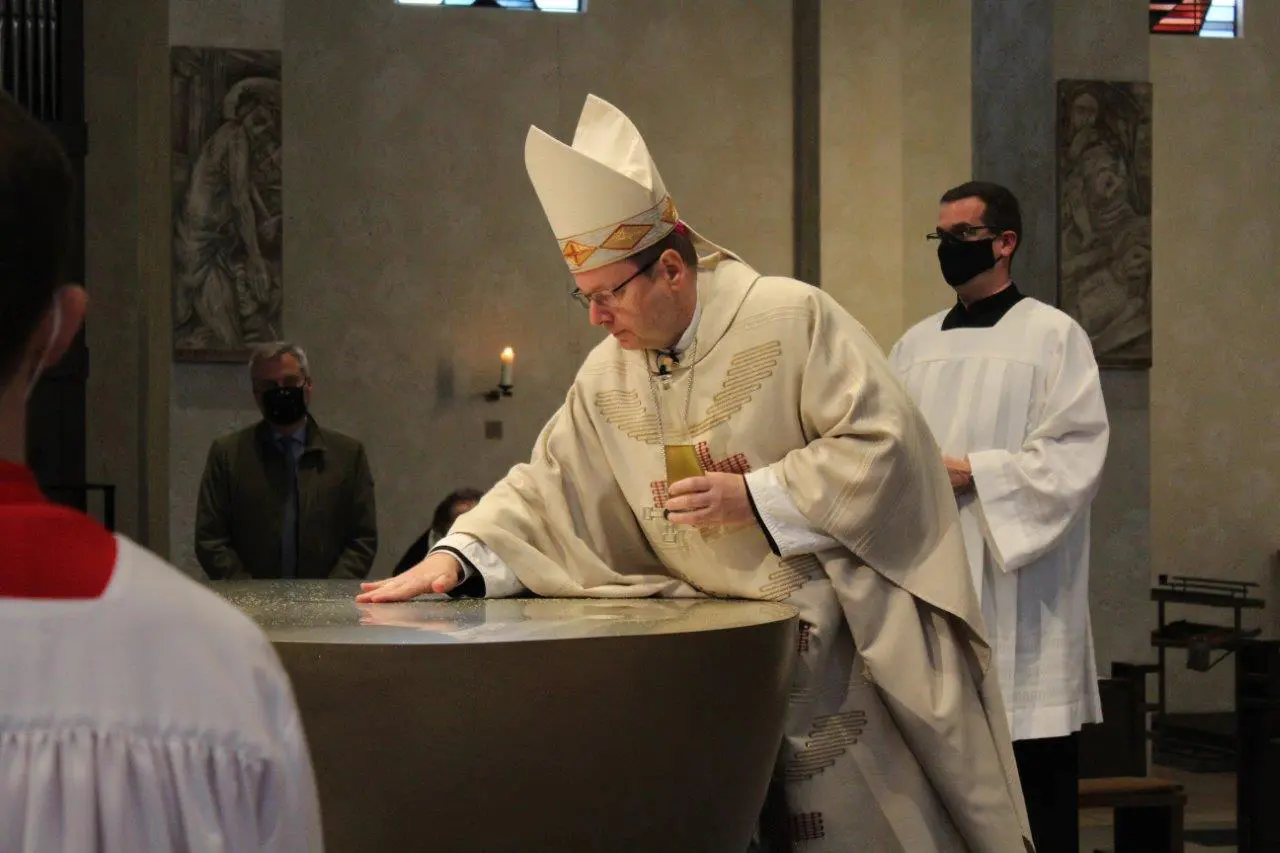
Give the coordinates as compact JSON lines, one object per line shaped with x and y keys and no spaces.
{"x":603,"y":195}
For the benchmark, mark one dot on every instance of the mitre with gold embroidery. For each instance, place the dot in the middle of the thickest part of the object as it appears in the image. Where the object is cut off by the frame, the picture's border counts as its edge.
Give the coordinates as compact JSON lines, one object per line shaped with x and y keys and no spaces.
{"x":602,"y":195}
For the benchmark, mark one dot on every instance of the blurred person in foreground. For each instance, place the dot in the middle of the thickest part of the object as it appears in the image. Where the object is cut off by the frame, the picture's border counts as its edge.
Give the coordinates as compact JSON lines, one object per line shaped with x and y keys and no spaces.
{"x":141,"y":712}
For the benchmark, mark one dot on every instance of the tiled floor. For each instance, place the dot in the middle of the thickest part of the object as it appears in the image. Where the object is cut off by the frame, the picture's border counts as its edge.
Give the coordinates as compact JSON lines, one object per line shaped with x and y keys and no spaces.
{"x":1211,"y":805}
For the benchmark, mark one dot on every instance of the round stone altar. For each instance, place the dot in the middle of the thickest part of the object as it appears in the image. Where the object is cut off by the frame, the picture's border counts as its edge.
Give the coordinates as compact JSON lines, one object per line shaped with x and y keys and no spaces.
{"x":532,"y":724}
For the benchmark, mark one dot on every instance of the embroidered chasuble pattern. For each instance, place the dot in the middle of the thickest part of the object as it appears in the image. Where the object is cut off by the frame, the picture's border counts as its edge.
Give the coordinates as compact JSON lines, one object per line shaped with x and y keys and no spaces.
{"x":807,"y":826}
{"x":747,"y":373}
{"x":625,"y":410}
{"x":830,"y":738}
{"x":792,"y":574}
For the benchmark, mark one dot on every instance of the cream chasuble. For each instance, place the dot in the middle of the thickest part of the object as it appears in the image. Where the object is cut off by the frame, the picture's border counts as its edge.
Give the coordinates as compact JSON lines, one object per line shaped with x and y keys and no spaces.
{"x":896,"y":741}
{"x":1023,"y":401}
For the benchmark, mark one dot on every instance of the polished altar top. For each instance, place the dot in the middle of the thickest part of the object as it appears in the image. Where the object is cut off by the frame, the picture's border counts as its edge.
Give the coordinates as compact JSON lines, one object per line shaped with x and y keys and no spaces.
{"x":325,"y":611}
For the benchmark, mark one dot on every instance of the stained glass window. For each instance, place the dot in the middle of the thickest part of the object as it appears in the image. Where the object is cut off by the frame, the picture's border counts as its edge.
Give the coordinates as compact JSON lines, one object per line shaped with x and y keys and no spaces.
{"x":531,"y":5}
{"x":1204,"y":18}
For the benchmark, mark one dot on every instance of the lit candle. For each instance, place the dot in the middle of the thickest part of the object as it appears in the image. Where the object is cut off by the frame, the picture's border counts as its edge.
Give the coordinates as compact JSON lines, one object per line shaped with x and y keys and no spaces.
{"x":508,"y":363}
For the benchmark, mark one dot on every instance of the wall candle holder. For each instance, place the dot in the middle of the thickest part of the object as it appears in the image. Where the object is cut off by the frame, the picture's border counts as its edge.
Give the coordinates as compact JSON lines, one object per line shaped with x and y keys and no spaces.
{"x":505,"y":383}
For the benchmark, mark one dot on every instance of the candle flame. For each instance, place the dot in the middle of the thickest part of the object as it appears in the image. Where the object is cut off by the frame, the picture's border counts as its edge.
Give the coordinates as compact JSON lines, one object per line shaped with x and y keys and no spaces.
{"x":508,"y":355}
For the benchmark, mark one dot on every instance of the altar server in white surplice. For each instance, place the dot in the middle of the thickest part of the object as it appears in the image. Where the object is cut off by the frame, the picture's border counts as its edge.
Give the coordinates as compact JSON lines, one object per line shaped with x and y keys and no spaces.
{"x":1011,"y":390}
{"x":741,"y":436}
{"x":139,"y":712}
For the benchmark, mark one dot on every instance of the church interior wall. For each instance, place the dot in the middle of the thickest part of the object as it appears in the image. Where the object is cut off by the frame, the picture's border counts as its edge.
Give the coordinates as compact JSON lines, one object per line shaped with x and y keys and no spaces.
{"x":126,"y":260}
{"x":416,"y":249}
{"x":895,"y":91}
{"x":112,"y":330}
{"x":1110,"y":40}
{"x":1215,"y":472}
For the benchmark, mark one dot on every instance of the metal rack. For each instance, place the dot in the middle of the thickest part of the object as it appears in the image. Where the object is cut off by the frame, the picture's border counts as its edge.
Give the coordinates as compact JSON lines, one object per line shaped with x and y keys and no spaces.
{"x":1195,"y":744}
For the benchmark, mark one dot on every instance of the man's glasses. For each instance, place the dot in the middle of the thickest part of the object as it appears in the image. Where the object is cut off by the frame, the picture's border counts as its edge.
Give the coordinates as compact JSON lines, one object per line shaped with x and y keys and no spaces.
{"x":961,"y":233}
{"x":261,"y":386}
{"x":607,"y":299}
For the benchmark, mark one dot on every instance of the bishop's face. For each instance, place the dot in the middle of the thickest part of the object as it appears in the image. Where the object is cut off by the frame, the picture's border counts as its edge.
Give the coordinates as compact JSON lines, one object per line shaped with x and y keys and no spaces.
{"x":637,"y":306}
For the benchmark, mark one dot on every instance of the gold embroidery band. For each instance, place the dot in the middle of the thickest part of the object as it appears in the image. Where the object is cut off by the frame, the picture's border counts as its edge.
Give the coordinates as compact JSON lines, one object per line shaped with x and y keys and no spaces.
{"x":594,"y":249}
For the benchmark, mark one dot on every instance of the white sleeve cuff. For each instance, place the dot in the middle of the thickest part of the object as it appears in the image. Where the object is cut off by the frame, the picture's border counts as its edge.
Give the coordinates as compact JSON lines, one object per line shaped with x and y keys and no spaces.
{"x":996,"y":493}
{"x":499,"y":580}
{"x":789,"y":529}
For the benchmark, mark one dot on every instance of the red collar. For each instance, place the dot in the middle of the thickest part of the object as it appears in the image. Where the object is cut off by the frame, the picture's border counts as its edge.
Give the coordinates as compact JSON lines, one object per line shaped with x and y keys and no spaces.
{"x":47,"y":550}
{"x":18,"y":485}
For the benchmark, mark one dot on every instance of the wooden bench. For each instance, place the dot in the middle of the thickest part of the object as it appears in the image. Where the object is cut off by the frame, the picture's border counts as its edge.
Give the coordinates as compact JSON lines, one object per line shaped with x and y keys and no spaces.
{"x":1148,"y":812}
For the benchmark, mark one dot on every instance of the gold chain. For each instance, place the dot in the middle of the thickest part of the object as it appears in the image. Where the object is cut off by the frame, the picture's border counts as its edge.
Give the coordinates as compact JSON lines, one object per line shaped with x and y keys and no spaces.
{"x":688,"y":398}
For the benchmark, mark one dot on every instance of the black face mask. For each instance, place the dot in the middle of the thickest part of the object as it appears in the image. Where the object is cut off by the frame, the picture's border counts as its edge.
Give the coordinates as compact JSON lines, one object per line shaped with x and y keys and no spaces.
{"x":963,"y":260}
{"x":284,"y":406}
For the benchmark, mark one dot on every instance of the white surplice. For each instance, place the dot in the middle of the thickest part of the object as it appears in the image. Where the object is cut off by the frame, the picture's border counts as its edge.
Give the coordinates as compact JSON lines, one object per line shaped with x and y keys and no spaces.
{"x":1023,"y":401}
{"x":156,"y":717}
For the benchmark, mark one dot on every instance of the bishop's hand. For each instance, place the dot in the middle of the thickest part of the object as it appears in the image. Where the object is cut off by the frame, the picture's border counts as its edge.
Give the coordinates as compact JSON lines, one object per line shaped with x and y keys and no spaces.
{"x":438,"y":573}
{"x":710,"y":500}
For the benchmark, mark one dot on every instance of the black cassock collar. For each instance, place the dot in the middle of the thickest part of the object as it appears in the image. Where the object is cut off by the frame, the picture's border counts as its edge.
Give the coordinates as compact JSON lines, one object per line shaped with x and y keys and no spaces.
{"x":984,"y":313}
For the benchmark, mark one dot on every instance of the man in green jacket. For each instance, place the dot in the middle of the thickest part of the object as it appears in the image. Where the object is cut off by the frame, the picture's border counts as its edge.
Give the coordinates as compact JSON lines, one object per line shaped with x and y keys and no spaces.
{"x":285,"y":498}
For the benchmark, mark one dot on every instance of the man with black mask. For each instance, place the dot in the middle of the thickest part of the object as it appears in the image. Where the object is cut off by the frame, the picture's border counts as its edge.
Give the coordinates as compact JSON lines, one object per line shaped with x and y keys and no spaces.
{"x":1010,"y":389}
{"x":285,"y":498}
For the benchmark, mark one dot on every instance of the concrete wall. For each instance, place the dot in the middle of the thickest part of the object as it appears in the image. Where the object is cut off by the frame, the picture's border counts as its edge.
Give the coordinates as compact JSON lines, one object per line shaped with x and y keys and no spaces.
{"x":415,"y":248}
{"x":112,"y":328}
{"x":1109,"y":40}
{"x":126,"y":259}
{"x":1215,"y":478}
{"x":895,"y":134}
{"x":937,"y":139}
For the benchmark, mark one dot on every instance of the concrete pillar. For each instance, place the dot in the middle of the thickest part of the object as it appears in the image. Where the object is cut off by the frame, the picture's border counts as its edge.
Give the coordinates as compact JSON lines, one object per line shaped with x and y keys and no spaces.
{"x":1020,"y":51}
{"x":127,"y":260}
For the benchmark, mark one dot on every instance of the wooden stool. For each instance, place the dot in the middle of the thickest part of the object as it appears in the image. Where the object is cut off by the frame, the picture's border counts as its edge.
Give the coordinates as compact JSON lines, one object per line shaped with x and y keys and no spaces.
{"x":1148,"y":812}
